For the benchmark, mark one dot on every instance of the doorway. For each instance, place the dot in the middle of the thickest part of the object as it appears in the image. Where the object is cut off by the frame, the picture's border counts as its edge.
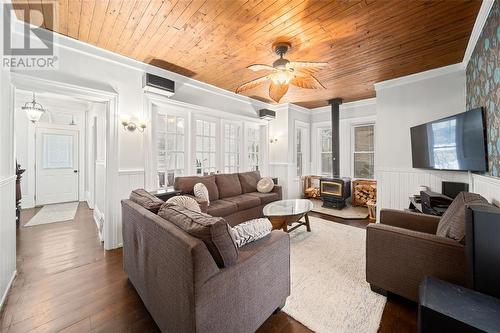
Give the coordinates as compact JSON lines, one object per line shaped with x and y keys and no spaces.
{"x":57,"y":165}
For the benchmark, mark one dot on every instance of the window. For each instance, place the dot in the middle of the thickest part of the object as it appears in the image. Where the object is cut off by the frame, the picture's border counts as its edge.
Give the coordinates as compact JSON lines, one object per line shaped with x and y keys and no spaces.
{"x":253,"y":142}
{"x":299,"y":151}
{"x":363,"y":152}
{"x":205,"y":147}
{"x":231,"y":148}
{"x":171,"y":148}
{"x":57,"y":151}
{"x":325,"y":137}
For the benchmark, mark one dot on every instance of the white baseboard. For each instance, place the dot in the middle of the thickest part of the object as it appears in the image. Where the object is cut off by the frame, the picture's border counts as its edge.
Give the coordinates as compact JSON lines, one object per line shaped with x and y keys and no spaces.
{"x":98,"y":217}
{"x":4,"y":296}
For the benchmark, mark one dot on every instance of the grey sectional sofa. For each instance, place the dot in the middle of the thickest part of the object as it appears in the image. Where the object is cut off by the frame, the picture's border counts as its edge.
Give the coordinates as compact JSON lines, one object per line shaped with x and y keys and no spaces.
{"x":186,"y":291}
{"x":232,"y":196}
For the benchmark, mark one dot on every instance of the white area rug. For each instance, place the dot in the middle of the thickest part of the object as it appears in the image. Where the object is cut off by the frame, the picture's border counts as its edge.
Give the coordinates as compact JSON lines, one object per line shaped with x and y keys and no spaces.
{"x":348,"y":212}
{"x":329,"y":292}
{"x":54,"y":213}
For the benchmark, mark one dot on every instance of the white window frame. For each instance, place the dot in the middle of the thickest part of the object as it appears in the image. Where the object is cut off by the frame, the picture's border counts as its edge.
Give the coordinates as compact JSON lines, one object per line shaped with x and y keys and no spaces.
{"x":239,"y":130}
{"x":320,"y":151}
{"x":247,"y":152}
{"x":300,"y":125}
{"x":353,"y":144}
{"x":218,"y":152}
{"x":166,"y":110}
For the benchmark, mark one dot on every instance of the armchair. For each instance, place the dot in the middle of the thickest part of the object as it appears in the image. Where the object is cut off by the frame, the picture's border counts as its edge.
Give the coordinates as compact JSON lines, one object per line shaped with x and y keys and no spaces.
{"x":403,"y":249}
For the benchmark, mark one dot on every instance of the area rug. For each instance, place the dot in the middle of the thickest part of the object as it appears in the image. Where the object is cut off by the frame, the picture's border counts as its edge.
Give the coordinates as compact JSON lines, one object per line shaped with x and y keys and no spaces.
{"x":329,"y":292}
{"x":349,"y":212}
{"x":54,"y":213}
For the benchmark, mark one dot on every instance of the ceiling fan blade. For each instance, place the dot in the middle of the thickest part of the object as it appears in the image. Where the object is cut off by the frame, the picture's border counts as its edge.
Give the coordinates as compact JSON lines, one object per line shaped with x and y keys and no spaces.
{"x":251,"y":84}
{"x":307,"y":67}
{"x":307,"y":82}
{"x":302,"y":64}
{"x":260,"y":67}
{"x":276,"y":91}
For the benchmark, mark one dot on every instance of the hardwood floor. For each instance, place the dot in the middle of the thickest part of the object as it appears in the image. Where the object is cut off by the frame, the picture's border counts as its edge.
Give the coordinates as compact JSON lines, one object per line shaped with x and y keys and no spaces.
{"x":66,"y":282}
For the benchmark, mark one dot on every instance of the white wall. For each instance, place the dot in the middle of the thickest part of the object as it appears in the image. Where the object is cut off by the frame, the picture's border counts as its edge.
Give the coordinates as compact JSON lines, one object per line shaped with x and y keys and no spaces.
{"x":7,"y":185}
{"x":401,"y":104}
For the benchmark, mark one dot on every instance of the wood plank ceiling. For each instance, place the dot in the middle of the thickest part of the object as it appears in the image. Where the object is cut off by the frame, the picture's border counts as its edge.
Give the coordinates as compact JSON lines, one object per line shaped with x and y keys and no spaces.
{"x":214,"y":41}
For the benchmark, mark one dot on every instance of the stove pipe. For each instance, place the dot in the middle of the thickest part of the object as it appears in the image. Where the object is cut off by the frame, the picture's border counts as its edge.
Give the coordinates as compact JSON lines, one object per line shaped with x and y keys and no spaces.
{"x":335,"y":103}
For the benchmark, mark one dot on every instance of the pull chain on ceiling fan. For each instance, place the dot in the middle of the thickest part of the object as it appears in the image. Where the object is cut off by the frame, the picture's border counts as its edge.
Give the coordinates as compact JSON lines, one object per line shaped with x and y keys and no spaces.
{"x":284,"y":73}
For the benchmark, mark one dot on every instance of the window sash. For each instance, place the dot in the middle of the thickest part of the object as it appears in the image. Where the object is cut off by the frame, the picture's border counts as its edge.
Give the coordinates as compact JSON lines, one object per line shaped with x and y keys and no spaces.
{"x":206,"y":147}
{"x":363,"y":171}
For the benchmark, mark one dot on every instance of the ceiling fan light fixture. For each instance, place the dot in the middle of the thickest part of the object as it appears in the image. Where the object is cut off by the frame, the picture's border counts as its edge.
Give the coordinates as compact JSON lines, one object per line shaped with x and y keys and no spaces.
{"x":281,"y":77}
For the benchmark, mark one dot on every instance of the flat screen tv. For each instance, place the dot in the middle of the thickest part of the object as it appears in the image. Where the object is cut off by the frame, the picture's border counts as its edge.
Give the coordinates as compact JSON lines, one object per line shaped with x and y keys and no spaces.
{"x":452,"y":143}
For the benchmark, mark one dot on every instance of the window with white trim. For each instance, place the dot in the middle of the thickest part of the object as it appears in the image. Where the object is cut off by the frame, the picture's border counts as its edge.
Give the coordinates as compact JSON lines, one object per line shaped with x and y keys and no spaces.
{"x":253,"y":148}
{"x":325,"y":137}
{"x":231,"y":148}
{"x":299,"y":151}
{"x":206,"y":148}
{"x":363,"y":151}
{"x":170,"y":148}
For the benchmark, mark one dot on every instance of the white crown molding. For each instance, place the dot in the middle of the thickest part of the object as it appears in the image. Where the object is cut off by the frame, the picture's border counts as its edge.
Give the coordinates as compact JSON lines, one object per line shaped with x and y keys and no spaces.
{"x":419,"y":76}
{"x":347,"y":106}
{"x":481,"y":18}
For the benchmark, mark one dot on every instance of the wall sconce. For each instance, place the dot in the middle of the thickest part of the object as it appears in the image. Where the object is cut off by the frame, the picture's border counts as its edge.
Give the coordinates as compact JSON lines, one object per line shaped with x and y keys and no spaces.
{"x":131,"y":126}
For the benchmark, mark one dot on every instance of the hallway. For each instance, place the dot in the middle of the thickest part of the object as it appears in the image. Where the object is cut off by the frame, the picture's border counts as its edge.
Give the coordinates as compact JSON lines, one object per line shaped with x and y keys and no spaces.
{"x":67,"y":282}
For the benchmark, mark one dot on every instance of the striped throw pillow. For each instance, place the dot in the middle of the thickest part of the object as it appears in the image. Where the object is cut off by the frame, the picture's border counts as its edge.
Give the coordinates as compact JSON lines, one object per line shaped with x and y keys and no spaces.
{"x":186,"y":202}
{"x":201,"y":192}
{"x":251,"y":231}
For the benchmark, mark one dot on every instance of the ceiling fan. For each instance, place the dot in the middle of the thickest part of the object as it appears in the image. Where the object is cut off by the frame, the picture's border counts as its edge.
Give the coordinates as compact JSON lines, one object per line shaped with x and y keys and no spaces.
{"x":284,"y":73}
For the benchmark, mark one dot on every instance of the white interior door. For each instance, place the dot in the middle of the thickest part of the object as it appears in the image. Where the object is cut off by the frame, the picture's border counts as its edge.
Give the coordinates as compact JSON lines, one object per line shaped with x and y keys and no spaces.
{"x":57,"y":171}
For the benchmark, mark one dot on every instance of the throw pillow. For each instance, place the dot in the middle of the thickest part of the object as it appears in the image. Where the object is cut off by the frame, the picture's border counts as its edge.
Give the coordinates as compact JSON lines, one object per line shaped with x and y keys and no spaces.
{"x":185,"y":201}
{"x":213,"y":231}
{"x":201,"y":192}
{"x":452,"y":223}
{"x":146,"y":200}
{"x":250,"y":231}
{"x":265,"y":185}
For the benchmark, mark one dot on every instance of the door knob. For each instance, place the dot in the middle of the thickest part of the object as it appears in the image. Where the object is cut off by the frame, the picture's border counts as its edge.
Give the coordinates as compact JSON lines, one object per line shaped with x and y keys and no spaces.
{"x":75,"y":171}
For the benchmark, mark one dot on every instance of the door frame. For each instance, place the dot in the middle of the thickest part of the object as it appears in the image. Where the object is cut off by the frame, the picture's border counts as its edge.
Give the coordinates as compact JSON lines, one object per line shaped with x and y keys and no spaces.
{"x":86,"y":90}
{"x":80,"y":150}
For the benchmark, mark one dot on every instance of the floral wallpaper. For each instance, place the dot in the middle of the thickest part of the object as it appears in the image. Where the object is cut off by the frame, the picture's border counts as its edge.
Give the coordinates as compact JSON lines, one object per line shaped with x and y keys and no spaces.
{"x":483,"y":84}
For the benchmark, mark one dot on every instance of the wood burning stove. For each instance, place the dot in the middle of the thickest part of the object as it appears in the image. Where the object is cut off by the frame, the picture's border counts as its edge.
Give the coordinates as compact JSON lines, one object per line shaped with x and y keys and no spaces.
{"x":335,"y":192}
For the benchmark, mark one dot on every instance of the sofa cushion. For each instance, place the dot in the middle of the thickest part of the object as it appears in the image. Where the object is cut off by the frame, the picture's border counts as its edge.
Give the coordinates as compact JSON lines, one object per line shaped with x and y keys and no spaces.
{"x":265,"y":198}
{"x":249,"y":180}
{"x":228,"y":185}
{"x":244,"y":201}
{"x":213,"y":231}
{"x":452,"y":223}
{"x":222,"y":208}
{"x":146,"y":200}
{"x":186,"y":185}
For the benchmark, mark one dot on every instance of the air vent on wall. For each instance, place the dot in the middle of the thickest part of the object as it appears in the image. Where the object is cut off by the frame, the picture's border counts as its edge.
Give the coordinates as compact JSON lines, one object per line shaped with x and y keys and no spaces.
{"x":158,"y":85}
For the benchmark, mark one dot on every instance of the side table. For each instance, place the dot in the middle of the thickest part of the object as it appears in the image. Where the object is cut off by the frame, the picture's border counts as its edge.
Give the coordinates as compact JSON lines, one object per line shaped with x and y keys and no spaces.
{"x":165,"y":193}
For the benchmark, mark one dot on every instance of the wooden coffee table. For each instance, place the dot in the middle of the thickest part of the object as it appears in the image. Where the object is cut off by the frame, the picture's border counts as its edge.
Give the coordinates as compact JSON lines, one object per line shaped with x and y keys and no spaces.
{"x":284,"y":213}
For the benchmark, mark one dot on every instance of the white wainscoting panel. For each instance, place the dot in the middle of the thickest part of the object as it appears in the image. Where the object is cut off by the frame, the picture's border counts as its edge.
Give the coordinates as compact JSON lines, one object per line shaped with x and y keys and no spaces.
{"x":488,"y":187}
{"x":282,"y":172}
{"x":395,"y":186}
{"x":7,"y":235}
{"x":130,"y":180}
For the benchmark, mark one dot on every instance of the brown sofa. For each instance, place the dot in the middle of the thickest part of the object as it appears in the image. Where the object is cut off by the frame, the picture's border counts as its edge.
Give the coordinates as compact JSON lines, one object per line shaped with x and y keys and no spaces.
{"x":185,"y":290}
{"x":405,"y":247}
{"x":232,"y":196}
